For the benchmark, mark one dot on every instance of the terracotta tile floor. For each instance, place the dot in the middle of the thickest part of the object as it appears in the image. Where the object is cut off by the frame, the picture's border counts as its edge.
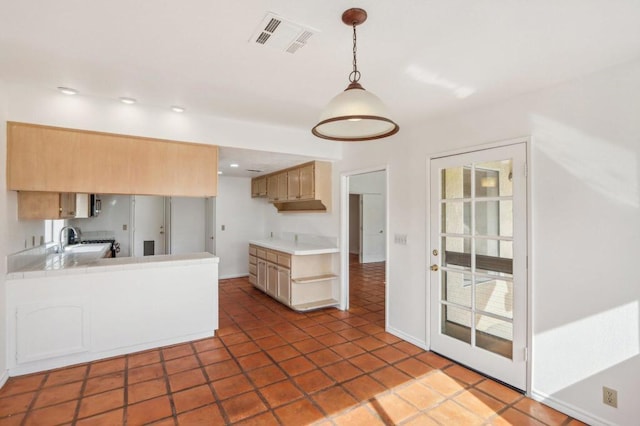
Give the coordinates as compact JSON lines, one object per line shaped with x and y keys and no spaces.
{"x":270,"y":365}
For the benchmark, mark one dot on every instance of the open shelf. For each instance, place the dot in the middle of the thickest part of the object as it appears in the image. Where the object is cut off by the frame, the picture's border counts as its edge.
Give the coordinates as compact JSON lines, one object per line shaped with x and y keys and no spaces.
{"x":315,"y":305}
{"x":314,"y":279}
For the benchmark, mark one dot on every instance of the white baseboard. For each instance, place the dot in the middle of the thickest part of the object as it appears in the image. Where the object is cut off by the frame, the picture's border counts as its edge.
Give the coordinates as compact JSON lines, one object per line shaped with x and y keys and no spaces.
{"x":3,"y":378}
{"x":226,"y":277}
{"x":65,"y":361}
{"x":569,"y":409}
{"x":419,"y":343}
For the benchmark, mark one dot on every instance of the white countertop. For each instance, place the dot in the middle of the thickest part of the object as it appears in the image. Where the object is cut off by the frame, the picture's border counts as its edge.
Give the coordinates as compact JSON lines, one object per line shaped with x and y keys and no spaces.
{"x":80,"y":263}
{"x":293,"y":247}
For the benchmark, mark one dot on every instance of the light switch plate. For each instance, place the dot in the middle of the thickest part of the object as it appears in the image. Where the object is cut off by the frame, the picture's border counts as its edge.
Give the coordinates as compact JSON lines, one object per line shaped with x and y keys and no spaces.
{"x":400,"y":239}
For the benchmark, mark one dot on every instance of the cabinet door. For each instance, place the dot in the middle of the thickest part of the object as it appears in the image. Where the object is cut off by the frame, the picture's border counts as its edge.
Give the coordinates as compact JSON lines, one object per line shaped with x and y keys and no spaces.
{"x":67,"y":205}
{"x":259,"y":187}
{"x":262,"y":186}
{"x":272,"y":279}
{"x":272,"y":188}
{"x":282,"y":186}
{"x":293,"y":184}
{"x":307,"y":182}
{"x":38,"y":205}
{"x":261,"y":276}
{"x":46,"y":205}
{"x":284,"y":285}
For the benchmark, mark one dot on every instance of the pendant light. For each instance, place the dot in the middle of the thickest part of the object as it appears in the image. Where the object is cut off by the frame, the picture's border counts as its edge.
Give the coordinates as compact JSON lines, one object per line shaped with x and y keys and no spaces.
{"x":355,"y":114}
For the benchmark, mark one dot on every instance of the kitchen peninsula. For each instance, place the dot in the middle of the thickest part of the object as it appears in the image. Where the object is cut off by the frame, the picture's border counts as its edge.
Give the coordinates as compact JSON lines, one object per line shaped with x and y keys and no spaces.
{"x":64,"y":310}
{"x":301,"y":271}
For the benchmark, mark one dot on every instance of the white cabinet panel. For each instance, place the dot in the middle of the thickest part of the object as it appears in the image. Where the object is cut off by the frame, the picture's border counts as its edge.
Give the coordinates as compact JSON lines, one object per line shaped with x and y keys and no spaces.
{"x":50,"y":329}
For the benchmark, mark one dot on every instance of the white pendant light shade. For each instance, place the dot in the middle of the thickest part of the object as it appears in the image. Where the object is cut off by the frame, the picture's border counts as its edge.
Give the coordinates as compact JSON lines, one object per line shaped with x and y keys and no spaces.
{"x":355,"y":115}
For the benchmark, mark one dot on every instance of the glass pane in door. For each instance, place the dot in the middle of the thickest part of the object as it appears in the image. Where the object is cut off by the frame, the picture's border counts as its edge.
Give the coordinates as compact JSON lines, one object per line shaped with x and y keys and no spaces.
{"x":456,"y":288}
{"x":456,"y":217}
{"x":456,"y":183}
{"x":494,"y":335}
{"x":494,"y":218}
{"x":494,"y":257}
{"x":456,"y":323}
{"x":494,"y":179}
{"x":495,"y":297}
{"x":456,"y":253}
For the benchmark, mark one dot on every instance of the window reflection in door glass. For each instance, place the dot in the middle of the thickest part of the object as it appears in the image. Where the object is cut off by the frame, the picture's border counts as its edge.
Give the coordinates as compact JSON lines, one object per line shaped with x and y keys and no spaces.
{"x":494,"y":179}
{"x":456,"y":183}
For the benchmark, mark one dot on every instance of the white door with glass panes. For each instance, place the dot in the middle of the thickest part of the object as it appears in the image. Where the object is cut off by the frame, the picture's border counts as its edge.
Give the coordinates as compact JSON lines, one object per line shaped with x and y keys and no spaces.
{"x":477,"y":258}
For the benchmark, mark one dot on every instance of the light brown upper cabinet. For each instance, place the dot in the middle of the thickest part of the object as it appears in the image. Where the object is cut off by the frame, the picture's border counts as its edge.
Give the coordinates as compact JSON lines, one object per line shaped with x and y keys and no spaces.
{"x":46,"y":205}
{"x":277,"y":187}
{"x":259,"y":187}
{"x":53,"y":159}
{"x":306,"y":187}
{"x":301,"y":183}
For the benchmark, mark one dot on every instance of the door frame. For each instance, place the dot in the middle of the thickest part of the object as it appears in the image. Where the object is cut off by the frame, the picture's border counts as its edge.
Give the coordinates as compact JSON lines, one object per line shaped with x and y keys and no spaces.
{"x":528,"y":141}
{"x":344,"y":236}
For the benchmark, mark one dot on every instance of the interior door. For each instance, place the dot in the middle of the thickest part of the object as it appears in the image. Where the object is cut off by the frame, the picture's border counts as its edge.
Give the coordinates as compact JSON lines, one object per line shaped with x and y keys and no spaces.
{"x":149,"y":236}
{"x":372,"y":212}
{"x":478,"y":253}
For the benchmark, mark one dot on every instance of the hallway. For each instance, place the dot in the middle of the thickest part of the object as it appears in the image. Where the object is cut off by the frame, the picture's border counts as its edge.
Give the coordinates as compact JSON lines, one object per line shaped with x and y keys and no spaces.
{"x":270,"y":365}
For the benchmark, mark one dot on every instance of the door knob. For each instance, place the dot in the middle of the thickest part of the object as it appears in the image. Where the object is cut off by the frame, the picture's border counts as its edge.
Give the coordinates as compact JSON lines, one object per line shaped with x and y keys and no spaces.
{"x":434,"y":267}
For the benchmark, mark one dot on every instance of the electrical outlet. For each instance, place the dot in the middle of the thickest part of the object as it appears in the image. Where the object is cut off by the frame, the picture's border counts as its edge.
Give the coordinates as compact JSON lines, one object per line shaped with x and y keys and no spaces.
{"x":610,"y":396}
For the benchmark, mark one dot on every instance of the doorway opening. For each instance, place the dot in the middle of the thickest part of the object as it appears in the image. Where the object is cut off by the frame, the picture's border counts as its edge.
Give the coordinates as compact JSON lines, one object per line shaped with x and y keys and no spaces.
{"x":172,"y":225}
{"x":364,"y":237}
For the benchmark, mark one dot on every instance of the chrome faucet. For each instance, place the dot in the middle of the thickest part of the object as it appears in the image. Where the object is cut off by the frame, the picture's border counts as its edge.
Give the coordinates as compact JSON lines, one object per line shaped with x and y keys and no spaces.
{"x":75,"y":232}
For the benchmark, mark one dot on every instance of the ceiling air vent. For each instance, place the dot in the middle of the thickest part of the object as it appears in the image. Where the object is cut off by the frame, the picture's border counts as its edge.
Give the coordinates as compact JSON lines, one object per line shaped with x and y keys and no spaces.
{"x":279,"y":33}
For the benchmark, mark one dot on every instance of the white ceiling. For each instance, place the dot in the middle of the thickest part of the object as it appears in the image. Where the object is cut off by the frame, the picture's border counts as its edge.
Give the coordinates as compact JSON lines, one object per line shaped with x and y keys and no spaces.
{"x":422,"y":57}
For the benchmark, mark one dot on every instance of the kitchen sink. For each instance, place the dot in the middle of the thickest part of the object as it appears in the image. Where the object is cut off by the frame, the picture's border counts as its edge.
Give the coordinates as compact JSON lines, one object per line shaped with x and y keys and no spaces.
{"x":86,"y":248}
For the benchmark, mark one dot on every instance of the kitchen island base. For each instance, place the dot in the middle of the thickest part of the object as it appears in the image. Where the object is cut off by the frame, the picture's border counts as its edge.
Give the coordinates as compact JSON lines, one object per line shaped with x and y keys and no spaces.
{"x":300,"y":276}
{"x":78,"y":315}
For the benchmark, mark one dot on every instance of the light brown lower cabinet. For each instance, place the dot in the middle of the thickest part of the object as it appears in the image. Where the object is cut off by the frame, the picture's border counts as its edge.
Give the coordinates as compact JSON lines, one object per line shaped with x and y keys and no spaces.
{"x":302,"y":282}
{"x":46,"y":205}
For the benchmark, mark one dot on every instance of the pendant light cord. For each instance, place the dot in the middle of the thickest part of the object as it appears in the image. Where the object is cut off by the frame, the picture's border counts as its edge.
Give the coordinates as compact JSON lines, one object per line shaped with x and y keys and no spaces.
{"x":354,"y":76}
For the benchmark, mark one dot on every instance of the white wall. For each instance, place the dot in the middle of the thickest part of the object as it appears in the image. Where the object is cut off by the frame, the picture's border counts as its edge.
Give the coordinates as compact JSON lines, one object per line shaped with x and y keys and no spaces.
{"x":14,"y":235}
{"x":585,"y":175}
{"x":368,"y":183}
{"x":243,"y":219}
{"x":187,"y":225}
{"x":49,"y":107}
{"x":4,"y":230}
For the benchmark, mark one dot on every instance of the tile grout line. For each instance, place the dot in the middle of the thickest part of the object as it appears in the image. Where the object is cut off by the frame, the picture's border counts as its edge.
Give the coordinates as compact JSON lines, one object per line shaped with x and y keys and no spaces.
{"x":125,"y":391}
{"x":81,"y":394}
{"x":218,"y":402}
{"x":36,"y":394}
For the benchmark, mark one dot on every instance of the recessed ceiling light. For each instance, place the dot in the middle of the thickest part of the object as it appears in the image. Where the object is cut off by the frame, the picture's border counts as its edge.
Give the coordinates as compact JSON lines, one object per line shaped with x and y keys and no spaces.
{"x":234,"y":165}
{"x":219,"y":172}
{"x":176,"y":108}
{"x":68,"y":90}
{"x":128,"y":101}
